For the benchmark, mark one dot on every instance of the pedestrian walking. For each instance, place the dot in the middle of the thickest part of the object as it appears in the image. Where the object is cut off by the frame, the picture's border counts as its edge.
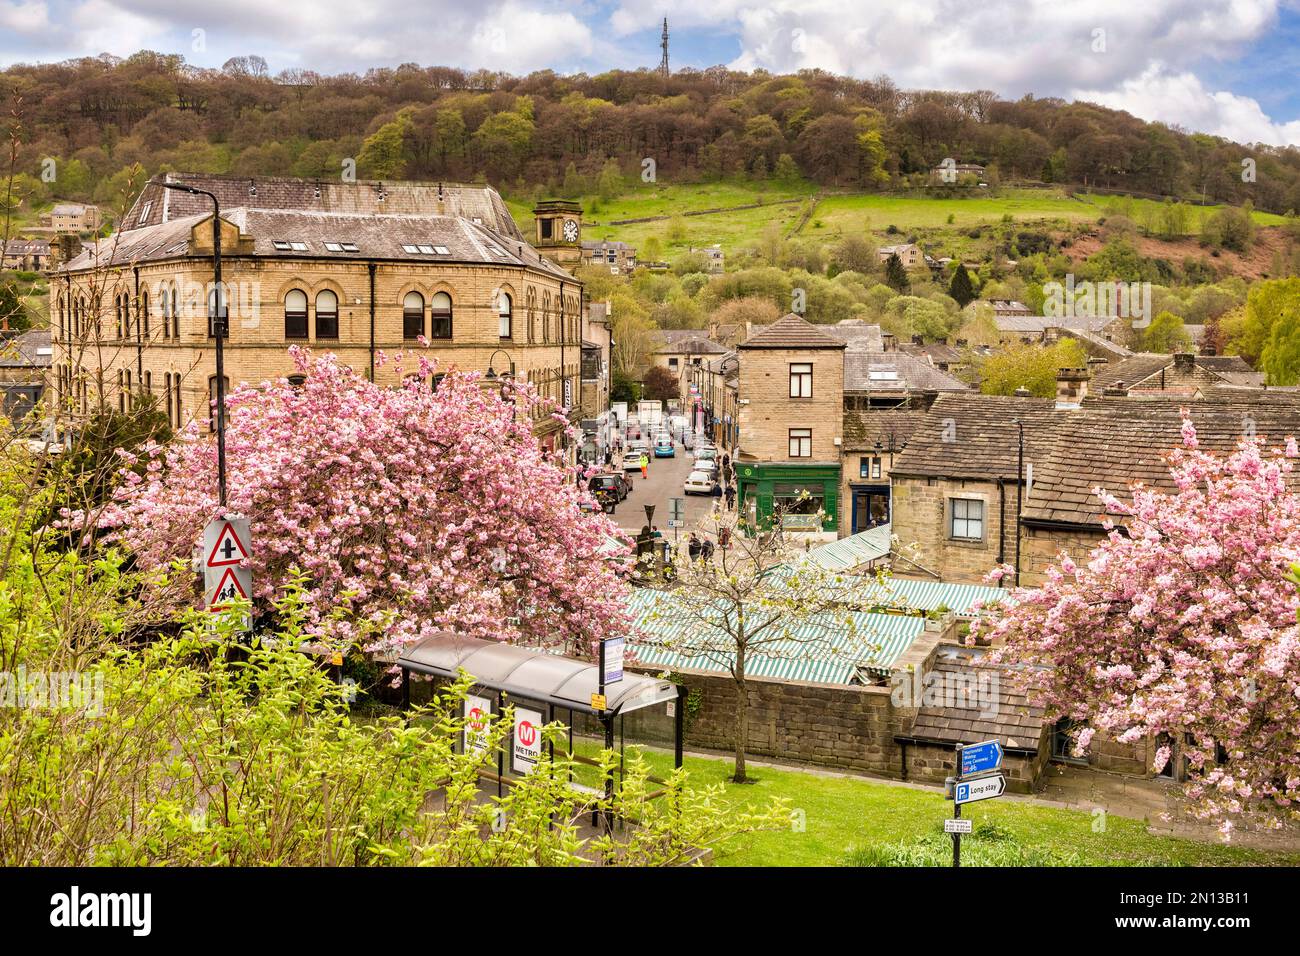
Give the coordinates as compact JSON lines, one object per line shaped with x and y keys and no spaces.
{"x":724,"y":538}
{"x":706,"y":550}
{"x":731,"y":497}
{"x":693,"y":547}
{"x":645,"y":465}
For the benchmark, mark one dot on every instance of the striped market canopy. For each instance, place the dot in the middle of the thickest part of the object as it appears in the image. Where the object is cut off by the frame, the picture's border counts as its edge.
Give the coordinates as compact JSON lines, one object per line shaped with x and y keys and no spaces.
{"x":848,"y":553}
{"x":840,"y":649}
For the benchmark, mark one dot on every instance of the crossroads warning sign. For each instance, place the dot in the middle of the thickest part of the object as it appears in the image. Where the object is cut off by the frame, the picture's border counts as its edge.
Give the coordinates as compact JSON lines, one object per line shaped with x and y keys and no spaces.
{"x":227,"y":546}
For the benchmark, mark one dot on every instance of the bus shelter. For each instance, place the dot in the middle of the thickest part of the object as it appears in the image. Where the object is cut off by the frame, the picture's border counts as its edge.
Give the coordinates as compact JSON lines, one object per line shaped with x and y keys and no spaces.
{"x":543,"y":688}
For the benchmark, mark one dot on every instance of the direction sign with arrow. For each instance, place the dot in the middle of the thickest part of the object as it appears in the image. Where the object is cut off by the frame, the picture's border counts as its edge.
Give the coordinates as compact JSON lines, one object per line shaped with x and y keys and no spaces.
{"x":981,"y":788}
{"x":981,"y":757}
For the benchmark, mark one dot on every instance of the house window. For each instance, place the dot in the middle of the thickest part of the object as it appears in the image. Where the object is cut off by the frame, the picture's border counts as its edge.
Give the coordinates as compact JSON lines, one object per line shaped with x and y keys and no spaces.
{"x":176,"y":329}
{"x":165,"y":302}
{"x":869,"y":467}
{"x":440,"y":316}
{"x":180,"y":406}
{"x":801,"y":443}
{"x":412,"y":315}
{"x":295,"y":315}
{"x":327,"y":315}
{"x":504,"y":317}
{"x":800,"y":380}
{"x":967,"y":519}
{"x":800,"y":508}
{"x":144,"y":314}
{"x":672,"y":363}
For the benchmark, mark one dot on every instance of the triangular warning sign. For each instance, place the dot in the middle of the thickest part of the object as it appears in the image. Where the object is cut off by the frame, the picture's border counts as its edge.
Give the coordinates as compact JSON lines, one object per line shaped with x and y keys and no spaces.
{"x":227,"y":590}
{"x":228,"y":549}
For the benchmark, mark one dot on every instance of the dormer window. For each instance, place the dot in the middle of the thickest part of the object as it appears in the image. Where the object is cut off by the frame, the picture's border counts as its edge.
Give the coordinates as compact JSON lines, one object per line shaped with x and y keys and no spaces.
{"x":298,"y":246}
{"x":280,"y":245}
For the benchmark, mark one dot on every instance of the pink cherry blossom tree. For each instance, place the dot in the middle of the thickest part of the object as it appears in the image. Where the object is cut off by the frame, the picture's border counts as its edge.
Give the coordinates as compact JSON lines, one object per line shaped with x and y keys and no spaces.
{"x":413,"y":510}
{"x":1183,"y":623}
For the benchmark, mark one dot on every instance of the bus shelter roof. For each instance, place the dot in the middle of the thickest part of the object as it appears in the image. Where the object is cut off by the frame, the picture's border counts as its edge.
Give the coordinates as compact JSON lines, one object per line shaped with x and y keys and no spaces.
{"x":532,"y":674}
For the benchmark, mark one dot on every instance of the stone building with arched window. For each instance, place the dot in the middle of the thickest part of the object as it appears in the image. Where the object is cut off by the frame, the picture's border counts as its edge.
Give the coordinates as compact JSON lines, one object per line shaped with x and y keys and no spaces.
{"x":359,"y":269}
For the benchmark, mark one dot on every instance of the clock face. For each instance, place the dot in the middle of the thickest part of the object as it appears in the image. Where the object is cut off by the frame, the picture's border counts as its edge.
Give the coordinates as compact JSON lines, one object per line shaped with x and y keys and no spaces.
{"x":570,"y":230}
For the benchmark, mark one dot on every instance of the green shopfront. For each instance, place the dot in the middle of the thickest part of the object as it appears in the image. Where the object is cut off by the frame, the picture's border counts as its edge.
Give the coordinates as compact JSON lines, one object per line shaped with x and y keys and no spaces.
{"x":765,"y":486}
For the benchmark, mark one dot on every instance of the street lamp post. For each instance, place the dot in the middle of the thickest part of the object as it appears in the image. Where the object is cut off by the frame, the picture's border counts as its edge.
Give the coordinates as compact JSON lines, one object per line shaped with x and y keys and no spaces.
{"x":492,"y":377}
{"x":217,"y":317}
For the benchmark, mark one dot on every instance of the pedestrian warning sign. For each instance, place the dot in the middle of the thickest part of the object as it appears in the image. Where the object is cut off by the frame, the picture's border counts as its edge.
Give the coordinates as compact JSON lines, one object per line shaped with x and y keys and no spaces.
{"x":227,"y":548}
{"x":228,"y":588}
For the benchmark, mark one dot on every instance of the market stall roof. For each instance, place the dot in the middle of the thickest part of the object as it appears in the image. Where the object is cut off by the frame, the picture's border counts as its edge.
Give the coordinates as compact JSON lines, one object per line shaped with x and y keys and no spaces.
{"x":531,"y":674}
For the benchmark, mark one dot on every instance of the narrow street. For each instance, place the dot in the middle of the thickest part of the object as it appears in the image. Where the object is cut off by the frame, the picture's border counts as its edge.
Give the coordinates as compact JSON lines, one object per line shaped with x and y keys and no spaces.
{"x":667,"y":476}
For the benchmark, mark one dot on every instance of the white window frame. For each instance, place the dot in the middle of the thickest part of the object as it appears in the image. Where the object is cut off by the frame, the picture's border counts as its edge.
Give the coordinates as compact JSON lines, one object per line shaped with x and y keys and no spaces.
{"x":801,"y":379}
{"x":959,"y":511}
{"x":804,"y":438}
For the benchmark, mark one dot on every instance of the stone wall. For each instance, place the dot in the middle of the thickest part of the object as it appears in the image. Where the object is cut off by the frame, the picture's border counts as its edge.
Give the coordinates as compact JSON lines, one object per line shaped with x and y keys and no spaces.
{"x":824,"y":724}
{"x":769,"y":412}
{"x":258,"y":349}
{"x":921,"y":519}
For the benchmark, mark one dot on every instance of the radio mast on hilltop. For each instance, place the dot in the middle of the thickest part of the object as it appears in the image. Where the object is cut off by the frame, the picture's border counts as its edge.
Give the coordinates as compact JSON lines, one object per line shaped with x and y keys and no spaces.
{"x":663,"y":43}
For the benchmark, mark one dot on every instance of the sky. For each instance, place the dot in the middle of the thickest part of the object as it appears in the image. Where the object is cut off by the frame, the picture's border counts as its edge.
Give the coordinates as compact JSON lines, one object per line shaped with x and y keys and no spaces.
{"x":1227,"y":67}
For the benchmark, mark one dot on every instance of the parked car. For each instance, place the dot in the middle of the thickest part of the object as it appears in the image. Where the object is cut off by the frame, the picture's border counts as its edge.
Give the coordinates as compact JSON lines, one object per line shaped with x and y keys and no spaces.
{"x":637,"y":445}
{"x":615,"y":485}
{"x":632,"y":461}
{"x":706,"y":465}
{"x":699,"y":483}
{"x":664,"y":448}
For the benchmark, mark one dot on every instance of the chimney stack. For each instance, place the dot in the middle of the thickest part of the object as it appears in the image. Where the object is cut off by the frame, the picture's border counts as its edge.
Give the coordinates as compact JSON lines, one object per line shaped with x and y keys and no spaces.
{"x":1184,"y":362}
{"x":1071,"y":387}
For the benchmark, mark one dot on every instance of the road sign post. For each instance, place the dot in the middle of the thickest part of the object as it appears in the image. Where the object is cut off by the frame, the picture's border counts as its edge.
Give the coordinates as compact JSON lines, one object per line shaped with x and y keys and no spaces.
{"x":227,"y":553}
{"x":976,"y":780}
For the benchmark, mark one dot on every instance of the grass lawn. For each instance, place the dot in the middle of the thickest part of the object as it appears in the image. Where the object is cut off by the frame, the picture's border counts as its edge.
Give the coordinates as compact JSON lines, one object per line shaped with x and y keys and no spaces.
{"x":730,"y":229}
{"x":843,"y":813}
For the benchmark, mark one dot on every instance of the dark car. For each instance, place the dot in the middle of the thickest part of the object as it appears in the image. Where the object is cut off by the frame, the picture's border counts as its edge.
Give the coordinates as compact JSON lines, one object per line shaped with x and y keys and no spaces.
{"x":612,"y":486}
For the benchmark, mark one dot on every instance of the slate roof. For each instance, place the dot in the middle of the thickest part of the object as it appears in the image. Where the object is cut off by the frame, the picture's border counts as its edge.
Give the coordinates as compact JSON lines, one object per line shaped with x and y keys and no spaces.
{"x":862,"y":429}
{"x":1114,"y":444}
{"x":1139,"y":369}
{"x":911,"y":374}
{"x":30,"y":349}
{"x":1016,"y":723}
{"x":857,"y":335}
{"x":1040,"y":323}
{"x":968,"y":435}
{"x":694,"y":341}
{"x":792,"y":332}
{"x":936,"y":353}
{"x":375,"y":236}
{"x":321,"y":195}
{"x":19,"y":247}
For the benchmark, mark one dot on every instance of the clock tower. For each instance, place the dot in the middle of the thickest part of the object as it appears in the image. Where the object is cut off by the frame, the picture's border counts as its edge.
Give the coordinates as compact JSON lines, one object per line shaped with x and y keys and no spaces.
{"x":559,"y":231}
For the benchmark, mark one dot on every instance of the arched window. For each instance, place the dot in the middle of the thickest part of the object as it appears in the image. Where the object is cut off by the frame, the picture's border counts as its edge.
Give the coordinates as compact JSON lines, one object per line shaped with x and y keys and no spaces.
{"x":412,"y":316}
{"x":144,"y":313}
{"x":117,"y":315}
{"x":164,"y":300}
{"x":167,"y":395}
{"x":505,"y":317}
{"x":440,"y":316}
{"x":295,"y":315}
{"x":327,"y":315}
{"x":176,"y":333}
{"x":62,"y":319}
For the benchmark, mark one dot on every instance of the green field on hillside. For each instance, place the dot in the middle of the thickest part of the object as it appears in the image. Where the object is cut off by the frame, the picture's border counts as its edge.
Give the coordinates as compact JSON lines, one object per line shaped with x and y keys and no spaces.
{"x":838,"y":214}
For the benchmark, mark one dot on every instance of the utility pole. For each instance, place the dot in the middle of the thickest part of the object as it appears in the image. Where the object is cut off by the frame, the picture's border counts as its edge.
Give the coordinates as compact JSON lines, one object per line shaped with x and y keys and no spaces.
{"x":217,"y":320}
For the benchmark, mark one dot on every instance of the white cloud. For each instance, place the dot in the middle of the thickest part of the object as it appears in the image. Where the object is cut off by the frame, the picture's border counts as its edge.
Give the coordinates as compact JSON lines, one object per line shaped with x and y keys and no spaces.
{"x":1137,"y":56}
{"x":25,"y":17}
{"x":1181,"y":98}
